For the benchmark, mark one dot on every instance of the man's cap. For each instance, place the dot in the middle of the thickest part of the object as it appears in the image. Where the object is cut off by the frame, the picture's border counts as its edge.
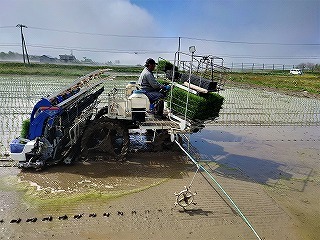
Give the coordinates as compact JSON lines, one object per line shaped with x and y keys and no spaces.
{"x":150,"y":61}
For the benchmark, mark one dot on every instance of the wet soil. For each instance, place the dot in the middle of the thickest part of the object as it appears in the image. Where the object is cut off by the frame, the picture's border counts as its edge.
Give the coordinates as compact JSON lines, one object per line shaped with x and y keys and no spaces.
{"x":102,"y":179}
{"x":271,"y":173}
{"x":284,"y":159}
{"x":283,"y":91}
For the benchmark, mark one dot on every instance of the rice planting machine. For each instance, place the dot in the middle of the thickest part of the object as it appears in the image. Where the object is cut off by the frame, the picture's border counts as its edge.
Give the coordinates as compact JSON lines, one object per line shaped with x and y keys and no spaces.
{"x":79,"y":120}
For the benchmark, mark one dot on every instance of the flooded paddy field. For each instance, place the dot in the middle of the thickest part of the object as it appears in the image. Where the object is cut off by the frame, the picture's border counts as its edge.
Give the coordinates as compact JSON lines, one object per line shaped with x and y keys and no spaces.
{"x":249,"y":106}
{"x":263,"y":149}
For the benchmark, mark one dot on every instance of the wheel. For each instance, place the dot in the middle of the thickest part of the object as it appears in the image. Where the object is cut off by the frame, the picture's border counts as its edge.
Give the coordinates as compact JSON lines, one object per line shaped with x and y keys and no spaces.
{"x":101,"y":112}
{"x":162,"y":141}
{"x":185,"y":198}
{"x":106,"y":136}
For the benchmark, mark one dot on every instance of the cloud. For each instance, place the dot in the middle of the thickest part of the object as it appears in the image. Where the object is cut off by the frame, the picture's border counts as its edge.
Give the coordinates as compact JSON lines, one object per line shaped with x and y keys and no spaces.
{"x":287,"y":22}
{"x":113,"y":29}
{"x":79,"y":25}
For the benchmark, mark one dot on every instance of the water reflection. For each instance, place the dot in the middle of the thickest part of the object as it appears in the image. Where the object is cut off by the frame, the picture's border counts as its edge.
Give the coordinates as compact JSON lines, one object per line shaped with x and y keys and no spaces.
{"x":210,"y":145}
{"x":261,"y":107}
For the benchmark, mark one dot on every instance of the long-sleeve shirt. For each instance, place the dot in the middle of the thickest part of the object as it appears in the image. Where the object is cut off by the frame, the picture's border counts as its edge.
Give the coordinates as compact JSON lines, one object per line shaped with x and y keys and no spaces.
{"x":147,"y":81}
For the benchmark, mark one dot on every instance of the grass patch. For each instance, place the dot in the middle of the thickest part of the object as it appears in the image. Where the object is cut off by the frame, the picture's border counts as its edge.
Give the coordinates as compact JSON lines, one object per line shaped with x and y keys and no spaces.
{"x":54,"y":200}
{"x":25,"y":128}
{"x":44,"y":198}
{"x":281,"y":80}
{"x":58,"y":69}
{"x":309,"y":82}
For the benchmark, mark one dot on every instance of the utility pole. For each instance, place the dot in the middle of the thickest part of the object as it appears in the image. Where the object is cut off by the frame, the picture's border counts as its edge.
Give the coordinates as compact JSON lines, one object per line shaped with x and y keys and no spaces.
{"x":23,"y":44}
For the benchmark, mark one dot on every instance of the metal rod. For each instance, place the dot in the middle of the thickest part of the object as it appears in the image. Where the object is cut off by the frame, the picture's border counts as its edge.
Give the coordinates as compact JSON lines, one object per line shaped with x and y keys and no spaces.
{"x":221,"y":188}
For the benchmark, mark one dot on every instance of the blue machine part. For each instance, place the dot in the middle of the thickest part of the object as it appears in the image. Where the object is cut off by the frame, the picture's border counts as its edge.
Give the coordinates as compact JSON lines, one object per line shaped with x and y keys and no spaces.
{"x":16,"y":146}
{"x":40,"y":113}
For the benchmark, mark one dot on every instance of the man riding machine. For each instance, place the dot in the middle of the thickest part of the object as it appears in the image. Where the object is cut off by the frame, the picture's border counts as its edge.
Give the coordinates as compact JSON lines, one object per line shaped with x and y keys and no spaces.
{"x":155,"y":91}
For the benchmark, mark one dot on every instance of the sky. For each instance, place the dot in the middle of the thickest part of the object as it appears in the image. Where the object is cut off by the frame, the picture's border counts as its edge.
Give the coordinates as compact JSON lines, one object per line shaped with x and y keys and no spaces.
{"x":240,"y":31}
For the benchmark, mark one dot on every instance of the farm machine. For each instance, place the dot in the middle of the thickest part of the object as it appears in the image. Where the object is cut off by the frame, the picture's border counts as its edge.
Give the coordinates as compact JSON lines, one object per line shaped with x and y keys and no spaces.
{"x":84,"y":118}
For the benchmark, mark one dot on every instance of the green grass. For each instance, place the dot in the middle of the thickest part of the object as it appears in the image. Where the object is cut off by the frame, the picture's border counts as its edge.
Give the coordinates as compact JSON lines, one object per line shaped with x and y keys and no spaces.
{"x":46,"y":199}
{"x":58,"y":69}
{"x":309,"y":82}
{"x":281,"y":80}
{"x":25,"y":128}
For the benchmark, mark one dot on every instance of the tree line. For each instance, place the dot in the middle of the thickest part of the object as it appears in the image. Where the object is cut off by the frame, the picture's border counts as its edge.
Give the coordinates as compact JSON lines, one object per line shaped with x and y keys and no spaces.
{"x":309,"y":66}
{"x":16,"y":56}
{"x":13,"y":56}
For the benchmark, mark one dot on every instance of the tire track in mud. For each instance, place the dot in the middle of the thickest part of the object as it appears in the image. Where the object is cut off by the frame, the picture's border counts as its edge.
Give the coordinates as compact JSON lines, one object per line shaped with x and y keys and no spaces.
{"x":152,"y":213}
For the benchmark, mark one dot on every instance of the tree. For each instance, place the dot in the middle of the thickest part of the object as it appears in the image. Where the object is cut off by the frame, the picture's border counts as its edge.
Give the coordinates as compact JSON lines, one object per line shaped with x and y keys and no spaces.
{"x":309,"y":66}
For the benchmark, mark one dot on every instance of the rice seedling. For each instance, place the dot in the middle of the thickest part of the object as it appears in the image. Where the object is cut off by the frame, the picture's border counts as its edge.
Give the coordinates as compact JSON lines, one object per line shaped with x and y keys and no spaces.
{"x":18,"y":94}
{"x":260,"y":107}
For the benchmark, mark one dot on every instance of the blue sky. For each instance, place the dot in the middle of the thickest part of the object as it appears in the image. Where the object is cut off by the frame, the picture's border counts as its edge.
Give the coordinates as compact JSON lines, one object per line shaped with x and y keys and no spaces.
{"x":241,"y":31}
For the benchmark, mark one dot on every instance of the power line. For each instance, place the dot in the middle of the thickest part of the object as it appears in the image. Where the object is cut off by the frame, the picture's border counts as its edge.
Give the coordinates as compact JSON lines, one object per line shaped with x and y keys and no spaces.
{"x":145,"y":51}
{"x":177,"y":37}
{"x":134,"y":51}
{"x":270,"y":57}
{"x":10,"y":44}
{"x":7,"y":26}
{"x":167,"y":52}
{"x":103,"y":34}
{"x":253,"y":43}
{"x":172,"y":37}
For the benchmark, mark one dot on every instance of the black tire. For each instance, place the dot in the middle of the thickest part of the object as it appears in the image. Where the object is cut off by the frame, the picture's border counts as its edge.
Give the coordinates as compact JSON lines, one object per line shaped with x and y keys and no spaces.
{"x":162,"y":141}
{"x":105,"y":136}
{"x":101,"y":112}
{"x":72,"y":154}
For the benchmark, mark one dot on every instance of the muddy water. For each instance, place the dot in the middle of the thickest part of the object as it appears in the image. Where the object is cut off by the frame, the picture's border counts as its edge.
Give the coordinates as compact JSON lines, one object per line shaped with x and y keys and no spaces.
{"x":60,"y":185}
{"x":285,"y":159}
{"x":61,"y":190}
{"x":263,"y":153}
